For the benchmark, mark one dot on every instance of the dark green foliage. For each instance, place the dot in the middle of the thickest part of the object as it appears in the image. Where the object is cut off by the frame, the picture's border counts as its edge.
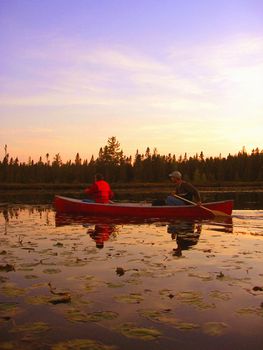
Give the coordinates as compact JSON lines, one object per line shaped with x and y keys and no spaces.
{"x":148,"y":167}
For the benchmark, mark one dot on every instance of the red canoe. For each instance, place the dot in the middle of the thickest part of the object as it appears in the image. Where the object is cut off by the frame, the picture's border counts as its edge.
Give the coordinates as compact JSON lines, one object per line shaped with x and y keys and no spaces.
{"x":141,"y":210}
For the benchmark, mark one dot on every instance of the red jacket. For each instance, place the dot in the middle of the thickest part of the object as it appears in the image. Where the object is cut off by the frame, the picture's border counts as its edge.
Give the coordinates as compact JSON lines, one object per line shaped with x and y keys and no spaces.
{"x":100,"y":191}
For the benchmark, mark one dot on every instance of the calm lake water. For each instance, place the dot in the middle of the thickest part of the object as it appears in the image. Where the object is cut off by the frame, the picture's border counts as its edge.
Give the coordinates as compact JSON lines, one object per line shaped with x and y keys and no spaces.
{"x":76,"y":283}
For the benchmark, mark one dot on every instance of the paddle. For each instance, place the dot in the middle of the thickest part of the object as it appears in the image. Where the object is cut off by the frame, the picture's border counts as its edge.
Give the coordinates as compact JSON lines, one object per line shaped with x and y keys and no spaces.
{"x":214,"y":212}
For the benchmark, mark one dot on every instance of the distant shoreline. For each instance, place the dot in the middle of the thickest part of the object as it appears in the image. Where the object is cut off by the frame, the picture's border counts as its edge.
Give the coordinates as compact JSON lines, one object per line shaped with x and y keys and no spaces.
{"x":12,"y":188}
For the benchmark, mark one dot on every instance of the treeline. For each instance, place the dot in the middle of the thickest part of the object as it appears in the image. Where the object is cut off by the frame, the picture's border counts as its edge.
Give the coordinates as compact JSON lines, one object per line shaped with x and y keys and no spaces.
{"x":147,"y":167}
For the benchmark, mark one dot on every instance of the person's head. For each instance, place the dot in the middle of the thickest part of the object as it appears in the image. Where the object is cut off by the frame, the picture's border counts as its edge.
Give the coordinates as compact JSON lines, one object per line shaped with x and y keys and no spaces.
{"x":175,"y":176}
{"x":99,"y":245}
{"x":98,"y":177}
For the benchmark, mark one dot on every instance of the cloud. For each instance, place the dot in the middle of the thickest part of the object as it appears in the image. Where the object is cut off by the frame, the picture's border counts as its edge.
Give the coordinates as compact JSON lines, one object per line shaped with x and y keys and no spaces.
{"x":199,"y":95}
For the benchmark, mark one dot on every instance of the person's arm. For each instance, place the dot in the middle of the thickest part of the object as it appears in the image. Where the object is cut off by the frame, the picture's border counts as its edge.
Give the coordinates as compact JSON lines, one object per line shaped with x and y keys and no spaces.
{"x":194,"y":191}
{"x":91,"y":190}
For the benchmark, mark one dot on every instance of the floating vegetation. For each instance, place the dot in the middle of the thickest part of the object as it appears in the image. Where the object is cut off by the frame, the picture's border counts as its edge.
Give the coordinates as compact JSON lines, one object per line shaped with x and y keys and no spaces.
{"x":215,"y":328}
{"x":10,"y":289}
{"x":8,"y":345}
{"x":165,"y":317}
{"x":247,"y":311}
{"x":167,"y":293}
{"x":60,"y":299}
{"x":186,"y":326}
{"x":31,"y":277}
{"x":115,"y":285}
{"x":33,"y":328}
{"x":159,"y":316}
{"x":8,"y":310}
{"x":7,"y":267}
{"x":130,"y":330}
{"x":132,"y":298}
{"x":82,"y":344}
{"x":203,"y":277}
{"x":233,"y":281}
{"x":51,"y":271}
{"x":258,"y":289}
{"x":220,"y":295}
{"x":37,"y":299}
{"x":76,"y":315}
{"x":193,"y":298}
{"x":120,"y":271}
{"x":102,"y":315}
{"x":58,"y":245}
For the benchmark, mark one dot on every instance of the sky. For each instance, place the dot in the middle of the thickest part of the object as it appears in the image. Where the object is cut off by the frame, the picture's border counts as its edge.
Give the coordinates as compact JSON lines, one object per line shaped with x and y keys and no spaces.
{"x":179,"y":76}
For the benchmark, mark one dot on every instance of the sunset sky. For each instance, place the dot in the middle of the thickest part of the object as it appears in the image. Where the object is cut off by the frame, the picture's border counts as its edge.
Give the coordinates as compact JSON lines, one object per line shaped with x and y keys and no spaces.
{"x":181,"y":76}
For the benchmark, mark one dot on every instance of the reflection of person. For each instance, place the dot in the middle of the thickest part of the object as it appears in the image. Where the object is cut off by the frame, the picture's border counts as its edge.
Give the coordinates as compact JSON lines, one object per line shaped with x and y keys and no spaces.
{"x":186,"y":235}
{"x":183,"y":189}
{"x":101,"y":233}
{"x":99,"y":191}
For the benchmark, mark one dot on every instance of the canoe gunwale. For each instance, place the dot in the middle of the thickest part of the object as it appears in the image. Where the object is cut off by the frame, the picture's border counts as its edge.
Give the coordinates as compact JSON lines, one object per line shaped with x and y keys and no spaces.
{"x":77,"y":206}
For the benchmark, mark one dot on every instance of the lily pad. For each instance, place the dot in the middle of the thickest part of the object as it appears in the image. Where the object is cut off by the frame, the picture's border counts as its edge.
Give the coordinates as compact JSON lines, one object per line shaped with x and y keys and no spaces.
{"x":131,"y":298}
{"x":76,"y":262}
{"x":7,"y":268}
{"x":75,"y":315}
{"x":220,"y":295}
{"x":165,"y":317}
{"x":8,"y":310}
{"x":31,"y":277}
{"x":203,"y":277}
{"x":193,"y":298}
{"x":82,"y":344}
{"x":33,"y":328}
{"x":130,"y":330}
{"x":60,"y":299}
{"x":51,"y":271}
{"x":186,"y":326}
{"x":215,"y":328}
{"x":11,"y":290}
{"x":166,"y":292}
{"x":38,"y":299}
{"x":250,"y":311}
{"x":114,"y":285}
{"x":7,"y":345}
{"x":232,"y":281}
{"x":102,"y":315}
{"x":3,"y":279}
{"x":58,"y":245}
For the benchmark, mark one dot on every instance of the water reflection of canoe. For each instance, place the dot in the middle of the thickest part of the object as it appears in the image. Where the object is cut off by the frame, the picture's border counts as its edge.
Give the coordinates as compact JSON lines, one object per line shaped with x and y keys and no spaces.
{"x":140,"y":210}
{"x":63,"y":219}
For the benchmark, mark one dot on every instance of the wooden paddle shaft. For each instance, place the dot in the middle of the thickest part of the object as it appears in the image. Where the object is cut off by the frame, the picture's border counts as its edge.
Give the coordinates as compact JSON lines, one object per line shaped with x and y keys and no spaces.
{"x":214,"y":212}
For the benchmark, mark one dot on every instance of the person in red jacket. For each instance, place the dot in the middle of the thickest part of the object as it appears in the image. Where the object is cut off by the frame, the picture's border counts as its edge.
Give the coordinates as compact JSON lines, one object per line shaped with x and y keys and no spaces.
{"x":99,"y":191}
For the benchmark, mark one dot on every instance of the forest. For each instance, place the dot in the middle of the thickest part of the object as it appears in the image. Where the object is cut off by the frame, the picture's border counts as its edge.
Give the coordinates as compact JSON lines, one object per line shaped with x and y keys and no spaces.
{"x":148,"y":167}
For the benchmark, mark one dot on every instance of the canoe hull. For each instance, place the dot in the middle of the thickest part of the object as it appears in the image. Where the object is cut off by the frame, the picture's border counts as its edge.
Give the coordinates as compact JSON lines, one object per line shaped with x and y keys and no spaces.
{"x":140,"y":210}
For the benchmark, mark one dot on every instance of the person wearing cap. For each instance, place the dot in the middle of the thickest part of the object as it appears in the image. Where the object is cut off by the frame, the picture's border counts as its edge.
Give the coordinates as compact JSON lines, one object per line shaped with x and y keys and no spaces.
{"x":183,"y":189}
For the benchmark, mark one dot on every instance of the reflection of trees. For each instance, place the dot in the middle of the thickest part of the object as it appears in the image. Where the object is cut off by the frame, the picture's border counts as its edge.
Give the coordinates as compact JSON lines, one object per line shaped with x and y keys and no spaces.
{"x":186,"y":234}
{"x":16,"y":211}
{"x":6,"y":217}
